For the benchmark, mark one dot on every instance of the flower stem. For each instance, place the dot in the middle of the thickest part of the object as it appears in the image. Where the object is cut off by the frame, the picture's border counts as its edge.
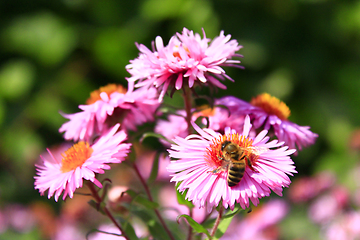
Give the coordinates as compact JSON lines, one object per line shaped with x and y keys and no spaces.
{"x":99,"y":200}
{"x":188,"y":104}
{"x":217,"y":221}
{"x":148,"y":193}
{"x":190,"y":231}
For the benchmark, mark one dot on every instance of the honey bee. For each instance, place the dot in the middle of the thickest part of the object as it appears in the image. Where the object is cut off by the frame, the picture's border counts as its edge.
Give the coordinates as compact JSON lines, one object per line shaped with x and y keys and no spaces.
{"x":234,"y":160}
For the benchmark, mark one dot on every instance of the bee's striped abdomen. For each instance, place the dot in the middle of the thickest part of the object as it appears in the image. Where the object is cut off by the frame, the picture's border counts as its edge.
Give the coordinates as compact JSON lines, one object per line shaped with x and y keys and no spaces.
{"x":235,"y":173}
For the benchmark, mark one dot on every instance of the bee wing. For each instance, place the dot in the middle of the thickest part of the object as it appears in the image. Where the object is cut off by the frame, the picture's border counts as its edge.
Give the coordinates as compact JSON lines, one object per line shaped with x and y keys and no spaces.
{"x":258,"y":150}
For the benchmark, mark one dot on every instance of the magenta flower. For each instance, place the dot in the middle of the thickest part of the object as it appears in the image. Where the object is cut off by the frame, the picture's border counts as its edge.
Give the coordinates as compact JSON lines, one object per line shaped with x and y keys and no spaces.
{"x":326,"y":207}
{"x":107,"y":106}
{"x":306,"y":188}
{"x":269,"y":112}
{"x":346,"y":226}
{"x":200,"y":158}
{"x":187,"y":59}
{"x":79,"y":162}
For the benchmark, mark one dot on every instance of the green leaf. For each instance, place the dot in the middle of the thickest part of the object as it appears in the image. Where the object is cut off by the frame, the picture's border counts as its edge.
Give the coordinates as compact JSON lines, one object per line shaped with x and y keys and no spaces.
{"x":181,"y":198}
{"x":138,"y":198}
{"x":154,"y":169}
{"x":223,"y":226}
{"x":195,"y":226}
{"x":156,"y":135}
{"x":128,"y":229}
{"x":231,"y":214}
{"x":155,"y":228}
{"x":146,"y":202}
{"x":199,"y":122}
{"x":225,"y":222}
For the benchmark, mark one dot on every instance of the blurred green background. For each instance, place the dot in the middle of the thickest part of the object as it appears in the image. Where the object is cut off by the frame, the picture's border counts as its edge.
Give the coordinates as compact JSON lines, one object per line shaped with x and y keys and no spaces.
{"x":53,"y":53}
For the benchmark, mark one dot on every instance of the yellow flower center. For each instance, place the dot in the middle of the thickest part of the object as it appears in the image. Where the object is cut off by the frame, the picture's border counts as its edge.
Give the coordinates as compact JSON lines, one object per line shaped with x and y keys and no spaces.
{"x":214,"y":153}
{"x":108,"y":89}
{"x":271,"y":105}
{"x":75,"y":156}
{"x":205,"y":111}
{"x":176,"y":51}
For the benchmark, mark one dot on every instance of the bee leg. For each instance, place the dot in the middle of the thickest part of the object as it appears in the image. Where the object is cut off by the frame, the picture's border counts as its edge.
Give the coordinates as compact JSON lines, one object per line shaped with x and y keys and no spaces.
{"x":249,"y":163}
{"x":216,"y":170}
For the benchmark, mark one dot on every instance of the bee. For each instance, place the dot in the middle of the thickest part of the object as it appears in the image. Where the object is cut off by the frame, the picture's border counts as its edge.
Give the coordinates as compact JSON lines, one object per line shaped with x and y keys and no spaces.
{"x":235,"y":159}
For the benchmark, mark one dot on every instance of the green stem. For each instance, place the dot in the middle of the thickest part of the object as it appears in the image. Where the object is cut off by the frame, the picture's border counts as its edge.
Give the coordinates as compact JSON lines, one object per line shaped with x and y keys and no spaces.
{"x":99,"y":200}
{"x":187,"y":104}
{"x":148,"y":193}
{"x":217,"y":221}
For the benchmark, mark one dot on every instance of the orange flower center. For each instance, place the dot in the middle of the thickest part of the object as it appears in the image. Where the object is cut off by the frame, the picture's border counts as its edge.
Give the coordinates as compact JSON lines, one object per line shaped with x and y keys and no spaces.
{"x":176,"y":51}
{"x":75,"y":156}
{"x":108,"y":89}
{"x":214,"y":153}
{"x":271,"y":105}
{"x":205,"y":111}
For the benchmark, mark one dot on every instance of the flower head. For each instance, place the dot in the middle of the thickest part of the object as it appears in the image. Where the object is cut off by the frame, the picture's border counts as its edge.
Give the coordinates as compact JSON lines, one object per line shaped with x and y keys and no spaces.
{"x":201,"y":167}
{"x":269,"y":112}
{"x":107,"y":106}
{"x":81,"y":161}
{"x":187,"y":59}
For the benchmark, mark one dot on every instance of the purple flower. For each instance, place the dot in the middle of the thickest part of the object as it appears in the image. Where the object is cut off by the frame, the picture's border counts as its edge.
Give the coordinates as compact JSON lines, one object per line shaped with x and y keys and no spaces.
{"x":268,"y":112}
{"x":199,"y":168}
{"x":186,"y":60}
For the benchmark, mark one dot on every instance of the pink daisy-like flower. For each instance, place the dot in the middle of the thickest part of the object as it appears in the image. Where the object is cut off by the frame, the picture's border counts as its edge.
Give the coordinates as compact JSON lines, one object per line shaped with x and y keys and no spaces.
{"x":201,"y":167}
{"x":346,"y":226}
{"x":79,"y":162}
{"x":109,"y":105}
{"x":187,"y":58}
{"x":267,"y":111}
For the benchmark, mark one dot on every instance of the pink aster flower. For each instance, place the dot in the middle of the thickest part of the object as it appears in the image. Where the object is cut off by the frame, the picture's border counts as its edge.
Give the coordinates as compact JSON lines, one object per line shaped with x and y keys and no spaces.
{"x":202,"y":170}
{"x":79,"y":162}
{"x":346,"y":226}
{"x":269,"y":112}
{"x":107,"y":106}
{"x":186,"y":60}
{"x":306,"y":188}
{"x":330,"y":205}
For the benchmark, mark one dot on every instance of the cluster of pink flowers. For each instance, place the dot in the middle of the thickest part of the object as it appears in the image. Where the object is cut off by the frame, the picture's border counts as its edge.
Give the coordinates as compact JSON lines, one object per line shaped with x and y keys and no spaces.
{"x":259,"y":133}
{"x":99,"y":138}
{"x":332,"y":206}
